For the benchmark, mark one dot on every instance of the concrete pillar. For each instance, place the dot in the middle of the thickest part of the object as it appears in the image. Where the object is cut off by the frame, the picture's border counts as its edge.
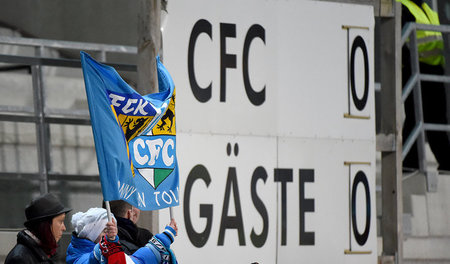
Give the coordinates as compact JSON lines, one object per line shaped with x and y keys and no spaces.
{"x":149,"y":36}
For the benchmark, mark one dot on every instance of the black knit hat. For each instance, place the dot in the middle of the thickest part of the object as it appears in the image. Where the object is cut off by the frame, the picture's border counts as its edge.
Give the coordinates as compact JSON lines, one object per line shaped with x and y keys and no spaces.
{"x":44,"y":206}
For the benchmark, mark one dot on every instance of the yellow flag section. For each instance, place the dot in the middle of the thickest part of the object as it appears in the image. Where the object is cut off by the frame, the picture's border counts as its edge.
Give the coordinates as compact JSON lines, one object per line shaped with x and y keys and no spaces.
{"x":132,"y":126}
{"x":166,"y":125}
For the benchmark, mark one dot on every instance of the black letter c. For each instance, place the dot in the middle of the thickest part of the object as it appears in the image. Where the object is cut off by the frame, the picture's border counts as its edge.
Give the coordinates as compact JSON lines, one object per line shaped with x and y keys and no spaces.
{"x":201,"y":94}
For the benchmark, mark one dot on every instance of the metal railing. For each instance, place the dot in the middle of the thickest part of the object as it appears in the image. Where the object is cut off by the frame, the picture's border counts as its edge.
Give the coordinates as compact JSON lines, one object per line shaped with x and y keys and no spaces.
{"x":413,"y":85}
{"x":41,"y":115}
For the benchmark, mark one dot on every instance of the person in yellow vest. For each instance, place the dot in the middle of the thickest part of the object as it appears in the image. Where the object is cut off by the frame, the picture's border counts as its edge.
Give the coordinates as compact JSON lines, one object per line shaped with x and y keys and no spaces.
{"x":430,"y":49}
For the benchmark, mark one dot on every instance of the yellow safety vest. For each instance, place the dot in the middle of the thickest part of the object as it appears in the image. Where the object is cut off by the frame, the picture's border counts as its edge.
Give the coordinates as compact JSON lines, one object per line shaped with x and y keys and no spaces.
{"x":430,"y":44}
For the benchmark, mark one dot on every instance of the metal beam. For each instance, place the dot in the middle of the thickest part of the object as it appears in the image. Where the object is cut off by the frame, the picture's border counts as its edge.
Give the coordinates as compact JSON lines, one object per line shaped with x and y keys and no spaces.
{"x":14,"y":176}
{"x":24,"y":60}
{"x":67,"y":45}
{"x":391,"y":123}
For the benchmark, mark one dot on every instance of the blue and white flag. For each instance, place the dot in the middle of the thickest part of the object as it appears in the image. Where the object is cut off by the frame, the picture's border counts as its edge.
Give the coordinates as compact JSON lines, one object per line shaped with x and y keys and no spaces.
{"x":134,"y":137}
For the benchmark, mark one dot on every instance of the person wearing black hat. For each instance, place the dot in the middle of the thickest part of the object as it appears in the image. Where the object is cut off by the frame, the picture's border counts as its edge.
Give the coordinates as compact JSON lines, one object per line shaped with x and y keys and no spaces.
{"x":44,"y":227}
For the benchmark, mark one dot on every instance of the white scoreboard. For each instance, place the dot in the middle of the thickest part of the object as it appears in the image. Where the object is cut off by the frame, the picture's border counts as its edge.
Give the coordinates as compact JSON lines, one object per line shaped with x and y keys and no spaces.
{"x":275,"y":131}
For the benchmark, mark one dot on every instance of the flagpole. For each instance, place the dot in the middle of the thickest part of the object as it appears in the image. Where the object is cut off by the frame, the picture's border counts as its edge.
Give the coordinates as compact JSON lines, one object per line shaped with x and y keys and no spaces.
{"x":108,"y":211}
{"x":170,"y":213}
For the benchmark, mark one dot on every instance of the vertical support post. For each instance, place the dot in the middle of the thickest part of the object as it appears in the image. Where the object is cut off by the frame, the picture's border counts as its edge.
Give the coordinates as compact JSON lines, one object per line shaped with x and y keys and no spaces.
{"x":102,"y":55}
{"x":418,"y":107}
{"x":391,"y":123}
{"x":149,"y":39}
{"x":42,"y":139}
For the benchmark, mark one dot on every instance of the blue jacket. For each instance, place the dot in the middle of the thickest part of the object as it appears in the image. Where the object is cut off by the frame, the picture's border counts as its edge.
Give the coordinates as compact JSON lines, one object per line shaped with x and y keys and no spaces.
{"x":81,"y":251}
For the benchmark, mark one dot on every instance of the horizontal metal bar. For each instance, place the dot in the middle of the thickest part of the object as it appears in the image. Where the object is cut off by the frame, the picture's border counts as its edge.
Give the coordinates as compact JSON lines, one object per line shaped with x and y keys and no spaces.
{"x":439,"y":28}
{"x":51,"y":176}
{"x":67,"y":120}
{"x":435,"y":78}
{"x":19,"y":176}
{"x":39,"y":61}
{"x":73,"y":177}
{"x":409,"y":27}
{"x":83,"y":113}
{"x":80,"y":113}
{"x":58,"y":62}
{"x":48,"y":119}
{"x":59,"y":44}
{"x":15,"y":68}
{"x":6,"y":229}
{"x":17,"y":118}
{"x":67,"y":116}
{"x":436,"y":127}
{"x":17,"y":109}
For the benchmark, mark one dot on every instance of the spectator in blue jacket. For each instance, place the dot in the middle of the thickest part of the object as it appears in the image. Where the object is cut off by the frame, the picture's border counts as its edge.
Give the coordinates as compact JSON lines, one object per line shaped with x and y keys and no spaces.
{"x":95,"y":240}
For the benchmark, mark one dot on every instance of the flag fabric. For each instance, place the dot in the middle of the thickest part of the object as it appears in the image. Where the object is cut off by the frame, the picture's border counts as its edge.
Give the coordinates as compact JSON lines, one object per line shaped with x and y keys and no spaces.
{"x":134,"y":137}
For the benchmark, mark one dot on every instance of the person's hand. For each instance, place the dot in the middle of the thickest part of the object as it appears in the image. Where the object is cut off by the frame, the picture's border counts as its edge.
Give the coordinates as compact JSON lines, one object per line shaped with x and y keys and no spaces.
{"x":173,"y":224}
{"x":112,"y":251}
{"x":111,"y":230}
